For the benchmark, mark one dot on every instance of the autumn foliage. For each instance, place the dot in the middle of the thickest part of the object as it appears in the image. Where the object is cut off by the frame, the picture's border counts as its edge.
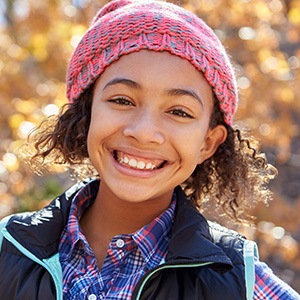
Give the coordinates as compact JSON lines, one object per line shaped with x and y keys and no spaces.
{"x":263,"y":40}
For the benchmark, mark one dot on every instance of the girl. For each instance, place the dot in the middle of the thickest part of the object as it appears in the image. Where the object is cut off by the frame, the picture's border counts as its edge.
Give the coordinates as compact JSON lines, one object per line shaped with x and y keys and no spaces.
{"x":152,"y":97}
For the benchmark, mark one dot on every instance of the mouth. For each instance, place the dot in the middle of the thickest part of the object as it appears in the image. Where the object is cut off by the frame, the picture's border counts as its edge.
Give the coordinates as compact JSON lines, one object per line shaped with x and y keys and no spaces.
{"x":138,"y":163}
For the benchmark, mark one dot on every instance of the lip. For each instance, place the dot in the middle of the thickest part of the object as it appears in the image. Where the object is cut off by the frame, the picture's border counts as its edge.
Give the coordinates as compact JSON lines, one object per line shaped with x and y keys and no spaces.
{"x":146,"y":155}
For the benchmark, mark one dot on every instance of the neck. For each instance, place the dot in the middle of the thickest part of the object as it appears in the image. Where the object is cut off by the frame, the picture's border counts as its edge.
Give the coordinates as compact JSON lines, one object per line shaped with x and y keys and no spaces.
{"x":110,"y":216}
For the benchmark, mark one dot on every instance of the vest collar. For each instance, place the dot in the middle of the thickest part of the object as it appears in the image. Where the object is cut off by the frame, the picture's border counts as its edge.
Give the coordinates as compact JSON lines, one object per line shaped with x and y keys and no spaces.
{"x":191,"y":240}
{"x":39,"y":232}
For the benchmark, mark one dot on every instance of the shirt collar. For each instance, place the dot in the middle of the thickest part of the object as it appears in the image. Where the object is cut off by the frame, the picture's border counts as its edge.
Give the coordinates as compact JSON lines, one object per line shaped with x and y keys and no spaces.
{"x":72,"y":233}
{"x":152,"y":239}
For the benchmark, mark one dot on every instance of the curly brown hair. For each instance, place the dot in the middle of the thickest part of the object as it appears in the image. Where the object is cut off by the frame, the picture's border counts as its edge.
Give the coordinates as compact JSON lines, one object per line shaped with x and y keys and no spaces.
{"x":235,"y":178}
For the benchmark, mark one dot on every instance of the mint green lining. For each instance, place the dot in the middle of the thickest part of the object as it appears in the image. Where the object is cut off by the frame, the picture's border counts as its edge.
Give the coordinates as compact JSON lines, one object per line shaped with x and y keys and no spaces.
{"x":54,"y":268}
{"x":52,"y":264}
{"x":250,"y":252}
{"x":3,"y":223}
{"x":168,"y":267}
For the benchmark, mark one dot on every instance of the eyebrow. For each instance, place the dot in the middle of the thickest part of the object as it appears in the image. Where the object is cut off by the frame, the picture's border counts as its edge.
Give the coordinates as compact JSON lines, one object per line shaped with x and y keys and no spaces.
{"x":124,"y":81}
{"x":171,"y":92}
{"x":185,"y":92}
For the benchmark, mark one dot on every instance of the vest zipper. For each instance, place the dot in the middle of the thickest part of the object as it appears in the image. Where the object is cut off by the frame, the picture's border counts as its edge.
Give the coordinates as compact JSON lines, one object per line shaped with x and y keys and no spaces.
{"x":56,"y":276}
{"x":166,"y":266}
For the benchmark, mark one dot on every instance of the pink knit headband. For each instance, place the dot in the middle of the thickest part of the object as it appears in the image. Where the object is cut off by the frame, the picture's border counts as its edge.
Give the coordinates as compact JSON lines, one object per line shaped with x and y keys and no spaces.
{"x":125,"y":26}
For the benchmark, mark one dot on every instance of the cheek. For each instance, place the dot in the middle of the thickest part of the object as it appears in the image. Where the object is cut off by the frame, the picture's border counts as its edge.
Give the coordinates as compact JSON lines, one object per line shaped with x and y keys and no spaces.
{"x":190,"y":144}
{"x":90,"y":141}
{"x":102,"y":127}
{"x":94,"y":133}
{"x":95,"y":138}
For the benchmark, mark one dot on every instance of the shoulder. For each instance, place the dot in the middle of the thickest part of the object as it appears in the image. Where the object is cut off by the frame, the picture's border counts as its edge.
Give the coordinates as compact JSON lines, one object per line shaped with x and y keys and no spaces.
{"x":230,"y":241}
{"x":3,"y":223}
{"x":224,"y":236}
{"x":42,"y":225}
{"x":267,"y":283}
{"x":10,"y":218}
{"x":61,"y":204}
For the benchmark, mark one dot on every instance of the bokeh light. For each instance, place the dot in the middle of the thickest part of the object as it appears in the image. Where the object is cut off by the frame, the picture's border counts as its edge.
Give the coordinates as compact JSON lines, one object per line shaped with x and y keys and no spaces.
{"x":263,"y":40}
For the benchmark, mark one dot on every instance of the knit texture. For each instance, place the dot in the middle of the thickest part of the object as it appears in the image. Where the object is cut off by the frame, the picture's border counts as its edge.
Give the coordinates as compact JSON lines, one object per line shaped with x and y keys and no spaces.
{"x":125,"y":26}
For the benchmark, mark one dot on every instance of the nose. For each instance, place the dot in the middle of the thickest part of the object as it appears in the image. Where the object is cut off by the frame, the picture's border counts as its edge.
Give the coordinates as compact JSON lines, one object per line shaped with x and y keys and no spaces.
{"x":145,"y":127}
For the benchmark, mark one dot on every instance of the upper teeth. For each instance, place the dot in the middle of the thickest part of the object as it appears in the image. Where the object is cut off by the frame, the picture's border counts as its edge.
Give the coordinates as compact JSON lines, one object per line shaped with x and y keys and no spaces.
{"x":137,"y":164}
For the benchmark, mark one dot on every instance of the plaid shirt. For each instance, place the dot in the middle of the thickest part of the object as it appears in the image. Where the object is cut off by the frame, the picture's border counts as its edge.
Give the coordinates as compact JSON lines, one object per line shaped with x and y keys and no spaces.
{"x":269,"y":286}
{"x":129,"y":257}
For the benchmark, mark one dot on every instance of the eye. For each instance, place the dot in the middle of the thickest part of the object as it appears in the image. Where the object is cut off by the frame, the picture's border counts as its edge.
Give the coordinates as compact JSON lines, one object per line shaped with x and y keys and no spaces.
{"x":180,"y":113}
{"x":121,"y":101}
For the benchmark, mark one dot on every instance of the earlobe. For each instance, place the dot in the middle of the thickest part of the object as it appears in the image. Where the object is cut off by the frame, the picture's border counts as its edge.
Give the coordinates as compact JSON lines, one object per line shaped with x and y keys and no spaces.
{"x":214,"y":138}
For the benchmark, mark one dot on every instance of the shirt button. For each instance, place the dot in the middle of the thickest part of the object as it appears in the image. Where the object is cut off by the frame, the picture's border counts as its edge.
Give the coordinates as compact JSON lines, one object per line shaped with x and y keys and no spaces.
{"x":92,"y":297}
{"x":120,"y":243}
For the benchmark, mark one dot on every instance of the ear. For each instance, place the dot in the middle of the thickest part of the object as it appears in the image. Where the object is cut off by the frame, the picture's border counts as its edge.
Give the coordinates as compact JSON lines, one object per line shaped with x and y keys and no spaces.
{"x":214,"y":138}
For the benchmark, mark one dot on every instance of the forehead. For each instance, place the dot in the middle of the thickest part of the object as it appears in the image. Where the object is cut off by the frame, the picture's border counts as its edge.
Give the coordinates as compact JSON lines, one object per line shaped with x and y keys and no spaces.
{"x":157,"y":70}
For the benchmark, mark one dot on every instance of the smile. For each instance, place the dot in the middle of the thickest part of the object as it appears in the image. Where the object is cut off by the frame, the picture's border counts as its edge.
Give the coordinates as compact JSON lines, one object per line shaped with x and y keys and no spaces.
{"x":137,"y":162}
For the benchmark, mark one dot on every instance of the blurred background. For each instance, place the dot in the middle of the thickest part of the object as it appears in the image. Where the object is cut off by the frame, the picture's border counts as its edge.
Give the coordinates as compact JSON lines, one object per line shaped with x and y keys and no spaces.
{"x":263,"y":40}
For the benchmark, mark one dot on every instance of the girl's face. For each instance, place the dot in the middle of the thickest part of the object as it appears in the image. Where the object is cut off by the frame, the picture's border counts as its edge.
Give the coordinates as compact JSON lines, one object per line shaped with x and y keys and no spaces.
{"x":150,"y":125}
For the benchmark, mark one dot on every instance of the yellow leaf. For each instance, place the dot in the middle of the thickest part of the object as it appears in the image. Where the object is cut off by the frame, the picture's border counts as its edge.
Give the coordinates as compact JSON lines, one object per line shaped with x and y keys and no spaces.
{"x":294,"y":15}
{"x":15,"y":120}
